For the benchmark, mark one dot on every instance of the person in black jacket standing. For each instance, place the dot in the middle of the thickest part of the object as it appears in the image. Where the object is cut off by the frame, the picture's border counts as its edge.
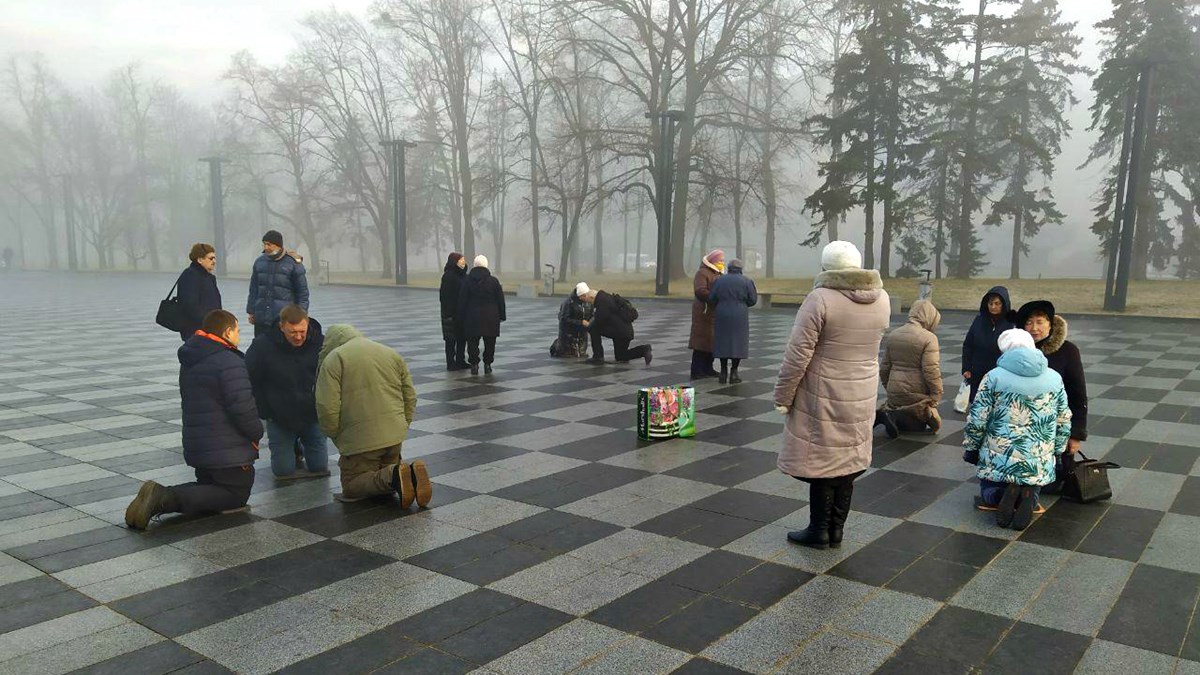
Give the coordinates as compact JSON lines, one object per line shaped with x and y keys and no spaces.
{"x":276,"y":280}
{"x":980,"y":350}
{"x":221,"y":428}
{"x":610,"y":322}
{"x":1049,"y":332}
{"x":481,"y":310}
{"x":197,"y":289}
{"x":452,"y":331}
{"x":283,"y":372}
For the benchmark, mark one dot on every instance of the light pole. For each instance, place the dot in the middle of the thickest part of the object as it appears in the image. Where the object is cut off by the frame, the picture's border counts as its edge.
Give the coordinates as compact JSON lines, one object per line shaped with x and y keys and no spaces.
{"x":69,"y":222}
{"x":217,"y":204}
{"x":664,"y":181}
{"x":396,"y":156}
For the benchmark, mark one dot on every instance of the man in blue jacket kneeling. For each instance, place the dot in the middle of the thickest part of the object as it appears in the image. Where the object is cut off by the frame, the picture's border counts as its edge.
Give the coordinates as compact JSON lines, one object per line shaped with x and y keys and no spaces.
{"x":221,"y":428}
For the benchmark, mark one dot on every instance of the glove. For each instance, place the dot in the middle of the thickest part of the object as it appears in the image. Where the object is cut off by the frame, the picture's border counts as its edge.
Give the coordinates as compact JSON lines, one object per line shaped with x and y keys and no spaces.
{"x":971,"y":457}
{"x":782,"y":409}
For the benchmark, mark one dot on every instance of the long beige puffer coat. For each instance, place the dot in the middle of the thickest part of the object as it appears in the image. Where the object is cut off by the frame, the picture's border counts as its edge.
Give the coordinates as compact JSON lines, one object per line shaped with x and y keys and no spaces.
{"x":830,"y":375}
{"x":911,"y":367}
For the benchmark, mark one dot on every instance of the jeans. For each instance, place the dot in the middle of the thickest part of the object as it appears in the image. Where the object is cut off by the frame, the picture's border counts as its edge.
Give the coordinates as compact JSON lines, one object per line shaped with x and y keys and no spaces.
{"x":283,"y":456}
{"x":214,"y":490}
{"x":621,"y":347}
{"x":990,"y":491}
{"x":365,"y":474}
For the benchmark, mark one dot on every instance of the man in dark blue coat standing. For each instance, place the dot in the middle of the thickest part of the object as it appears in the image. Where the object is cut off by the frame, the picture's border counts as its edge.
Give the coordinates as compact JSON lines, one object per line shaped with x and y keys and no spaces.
{"x":276,"y":281}
{"x":221,"y":428}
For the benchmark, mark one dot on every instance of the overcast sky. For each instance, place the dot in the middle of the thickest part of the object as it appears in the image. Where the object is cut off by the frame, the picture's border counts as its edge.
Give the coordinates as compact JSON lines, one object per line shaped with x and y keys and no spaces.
{"x":189,"y":43}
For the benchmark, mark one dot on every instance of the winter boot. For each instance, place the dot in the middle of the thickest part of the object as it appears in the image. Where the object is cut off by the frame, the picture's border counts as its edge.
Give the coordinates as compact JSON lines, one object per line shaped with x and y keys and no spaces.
{"x":474,"y":368}
{"x":935,"y":420}
{"x":649,"y":355}
{"x":1026,"y":502}
{"x":151,"y":500}
{"x":842,"y":494}
{"x":734,"y":378}
{"x":424,"y":488}
{"x":450,"y":356}
{"x":820,"y":507}
{"x":723,"y":378}
{"x":1006,"y":510}
{"x":402,"y":483}
{"x":889,"y":426}
{"x":487,"y":369}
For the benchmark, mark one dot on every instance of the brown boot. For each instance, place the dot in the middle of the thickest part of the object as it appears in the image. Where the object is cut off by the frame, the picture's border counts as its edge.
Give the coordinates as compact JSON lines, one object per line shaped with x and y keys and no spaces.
{"x":424,"y":488}
{"x":150,"y":501}
{"x":402,"y":482}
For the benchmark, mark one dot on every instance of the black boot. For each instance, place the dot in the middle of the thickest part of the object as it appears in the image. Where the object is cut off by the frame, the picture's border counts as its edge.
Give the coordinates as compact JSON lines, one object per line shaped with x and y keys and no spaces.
{"x":820,"y":509}
{"x":889,"y":426}
{"x":449,"y":355}
{"x":487,"y":369}
{"x":723,"y":378}
{"x":842,"y":494}
{"x":474,"y":368}
{"x":733,"y":375}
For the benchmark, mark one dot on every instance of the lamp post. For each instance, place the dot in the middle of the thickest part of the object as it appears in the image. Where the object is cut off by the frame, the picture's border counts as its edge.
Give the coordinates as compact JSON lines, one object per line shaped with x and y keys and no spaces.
{"x":69,"y":222}
{"x":664,"y":181}
{"x":396,"y":156}
{"x":217,"y":204}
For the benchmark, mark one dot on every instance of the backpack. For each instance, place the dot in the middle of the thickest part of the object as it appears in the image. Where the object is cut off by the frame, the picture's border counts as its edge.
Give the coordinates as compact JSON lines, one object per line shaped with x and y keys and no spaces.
{"x":625,"y":309}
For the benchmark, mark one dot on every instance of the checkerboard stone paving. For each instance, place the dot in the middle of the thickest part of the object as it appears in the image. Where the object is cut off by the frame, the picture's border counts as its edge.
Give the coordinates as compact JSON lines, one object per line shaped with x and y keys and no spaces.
{"x":557,"y":541}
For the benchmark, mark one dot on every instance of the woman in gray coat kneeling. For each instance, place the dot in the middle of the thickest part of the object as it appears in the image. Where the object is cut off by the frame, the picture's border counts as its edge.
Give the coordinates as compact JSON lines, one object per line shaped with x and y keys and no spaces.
{"x":734,"y":295}
{"x":827,"y":388}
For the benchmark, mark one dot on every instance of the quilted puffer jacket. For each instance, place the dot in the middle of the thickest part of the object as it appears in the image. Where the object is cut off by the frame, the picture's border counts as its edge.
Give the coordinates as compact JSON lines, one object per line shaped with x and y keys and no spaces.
{"x":274,"y":284}
{"x":1020,"y":420}
{"x":221,"y":428}
{"x":911,"y":367}
{"x":829,"y":379}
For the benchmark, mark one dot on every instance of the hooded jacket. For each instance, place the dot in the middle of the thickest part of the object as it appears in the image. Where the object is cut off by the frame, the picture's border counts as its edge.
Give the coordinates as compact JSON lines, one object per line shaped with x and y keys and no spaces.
{"x":481,"y":304}
{"x":980,"y":351}
{"x":1063,"y":357}
{"x":733,"y":295}
{"x":365,"y":394}
{"x":1020,"y":421}
{"x":221,"y":428}
{"x":911,"y":368}
{"x":452,"y":283}
{"x":829,"y":378}
{"x":198,"y":295}
{"x":285,"y":377}
{"x":609,"y":322}
{"x":274,"y":284}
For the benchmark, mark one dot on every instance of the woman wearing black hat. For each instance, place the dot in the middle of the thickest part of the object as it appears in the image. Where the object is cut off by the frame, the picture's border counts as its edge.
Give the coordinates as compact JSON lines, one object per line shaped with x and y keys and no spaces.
{"x":1049,"y":332}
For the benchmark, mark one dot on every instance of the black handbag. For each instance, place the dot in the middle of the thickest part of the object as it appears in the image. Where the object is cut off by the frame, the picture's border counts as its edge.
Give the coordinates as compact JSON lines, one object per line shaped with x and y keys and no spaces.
{"x":170,"y":314}
{"x":1086,"y":480}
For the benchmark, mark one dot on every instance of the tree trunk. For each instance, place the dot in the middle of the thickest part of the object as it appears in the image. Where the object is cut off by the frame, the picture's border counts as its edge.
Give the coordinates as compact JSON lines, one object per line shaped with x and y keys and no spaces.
{"x":965,"y":227}
{"x":534,"y":212}
{"x":939,"y":243}
{"x":869,"y":200}
{"x":637,"y":258}
{"x":48,"y":224}
{"x":770,"y":198}
{"x":889,"y":178}
{"x":598,"y":223}
{"x":1147,"y":201}
{"x":1018,"y":223}
{"x":625,"y":238}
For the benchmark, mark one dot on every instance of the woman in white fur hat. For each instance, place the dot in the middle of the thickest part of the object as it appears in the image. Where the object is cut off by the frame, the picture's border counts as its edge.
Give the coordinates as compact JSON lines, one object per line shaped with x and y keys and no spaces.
{"x":481,"y":309}
{"x":827,"y":387}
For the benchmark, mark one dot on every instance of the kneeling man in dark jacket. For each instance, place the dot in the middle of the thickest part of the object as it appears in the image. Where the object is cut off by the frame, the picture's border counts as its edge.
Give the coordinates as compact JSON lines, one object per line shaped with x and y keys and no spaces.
{"x":221,"y":428}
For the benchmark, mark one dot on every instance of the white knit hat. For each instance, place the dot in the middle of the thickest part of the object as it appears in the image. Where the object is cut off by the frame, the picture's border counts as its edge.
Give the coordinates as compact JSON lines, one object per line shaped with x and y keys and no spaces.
{"x":581,"y":289}
{"x":840,"y":255}
{"x":1015,"y":338}
{"x":481,"y":261}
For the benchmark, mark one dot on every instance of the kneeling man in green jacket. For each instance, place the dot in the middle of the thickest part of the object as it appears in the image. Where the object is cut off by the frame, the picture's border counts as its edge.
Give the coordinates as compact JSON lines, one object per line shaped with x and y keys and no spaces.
{"x":365,"y":402}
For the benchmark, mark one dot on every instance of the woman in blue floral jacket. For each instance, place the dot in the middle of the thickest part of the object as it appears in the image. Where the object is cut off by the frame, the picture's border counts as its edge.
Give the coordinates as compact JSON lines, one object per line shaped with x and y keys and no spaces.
{"x":1017,"y":426}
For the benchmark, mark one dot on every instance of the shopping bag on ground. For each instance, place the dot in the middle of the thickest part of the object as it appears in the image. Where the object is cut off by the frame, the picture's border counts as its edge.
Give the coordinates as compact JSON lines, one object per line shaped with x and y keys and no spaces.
{"x":962,"y":400}
{"x":666,"y":412}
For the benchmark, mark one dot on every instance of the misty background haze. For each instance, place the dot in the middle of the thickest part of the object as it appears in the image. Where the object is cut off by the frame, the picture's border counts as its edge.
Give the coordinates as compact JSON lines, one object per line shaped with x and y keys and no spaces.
{"x":196,"y":67}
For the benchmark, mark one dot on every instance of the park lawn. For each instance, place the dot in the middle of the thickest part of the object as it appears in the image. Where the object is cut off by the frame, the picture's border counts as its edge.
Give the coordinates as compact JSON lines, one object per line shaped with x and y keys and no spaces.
{"x":1168,"y":298}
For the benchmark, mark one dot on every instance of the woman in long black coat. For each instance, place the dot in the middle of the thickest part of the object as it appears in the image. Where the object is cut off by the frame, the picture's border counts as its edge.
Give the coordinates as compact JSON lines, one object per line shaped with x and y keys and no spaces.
{"x":452,"y":331}
{"x":980,"y":350}
{"x":197,"y":289}
{"x":734,"y":294}
{"x":481,"y":309}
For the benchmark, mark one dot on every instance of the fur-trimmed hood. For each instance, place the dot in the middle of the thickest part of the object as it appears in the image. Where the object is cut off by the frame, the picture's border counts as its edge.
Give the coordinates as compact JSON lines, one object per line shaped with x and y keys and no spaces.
{"x":1058,"y":335}
{"x":861,"y":286}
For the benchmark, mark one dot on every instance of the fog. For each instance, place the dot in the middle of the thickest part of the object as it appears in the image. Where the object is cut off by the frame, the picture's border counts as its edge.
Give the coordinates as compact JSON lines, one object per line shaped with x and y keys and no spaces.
{"x":109,"y":106}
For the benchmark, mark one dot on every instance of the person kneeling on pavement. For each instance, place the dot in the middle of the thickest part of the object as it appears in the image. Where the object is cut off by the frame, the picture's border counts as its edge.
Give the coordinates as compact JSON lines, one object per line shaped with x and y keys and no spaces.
{"x":911,"y":372}
{"x":283,"y":371}
{"x":1017,"y":426}
{"x":574,"y":316}
{"x":614,"y":319}
{"x":365,"y":404}
{"x":221,"y":428}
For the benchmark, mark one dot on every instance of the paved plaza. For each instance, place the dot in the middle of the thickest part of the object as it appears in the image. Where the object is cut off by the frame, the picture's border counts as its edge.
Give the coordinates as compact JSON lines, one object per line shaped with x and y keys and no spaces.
{"x":556,"y":541}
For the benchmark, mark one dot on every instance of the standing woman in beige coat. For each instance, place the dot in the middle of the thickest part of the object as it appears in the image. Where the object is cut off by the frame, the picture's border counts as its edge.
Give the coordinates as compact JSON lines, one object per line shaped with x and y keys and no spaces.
{"x":827,"y":388}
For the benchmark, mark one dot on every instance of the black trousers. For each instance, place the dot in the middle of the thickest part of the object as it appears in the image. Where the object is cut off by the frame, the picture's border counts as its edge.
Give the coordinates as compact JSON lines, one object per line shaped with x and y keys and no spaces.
{"x":489,"y":349}
{"x":214,"y":490}
{"x":835,"y":481}
{"x":621,"y":349}
{"x":456,"y":350}
{"x":702,"y":362}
